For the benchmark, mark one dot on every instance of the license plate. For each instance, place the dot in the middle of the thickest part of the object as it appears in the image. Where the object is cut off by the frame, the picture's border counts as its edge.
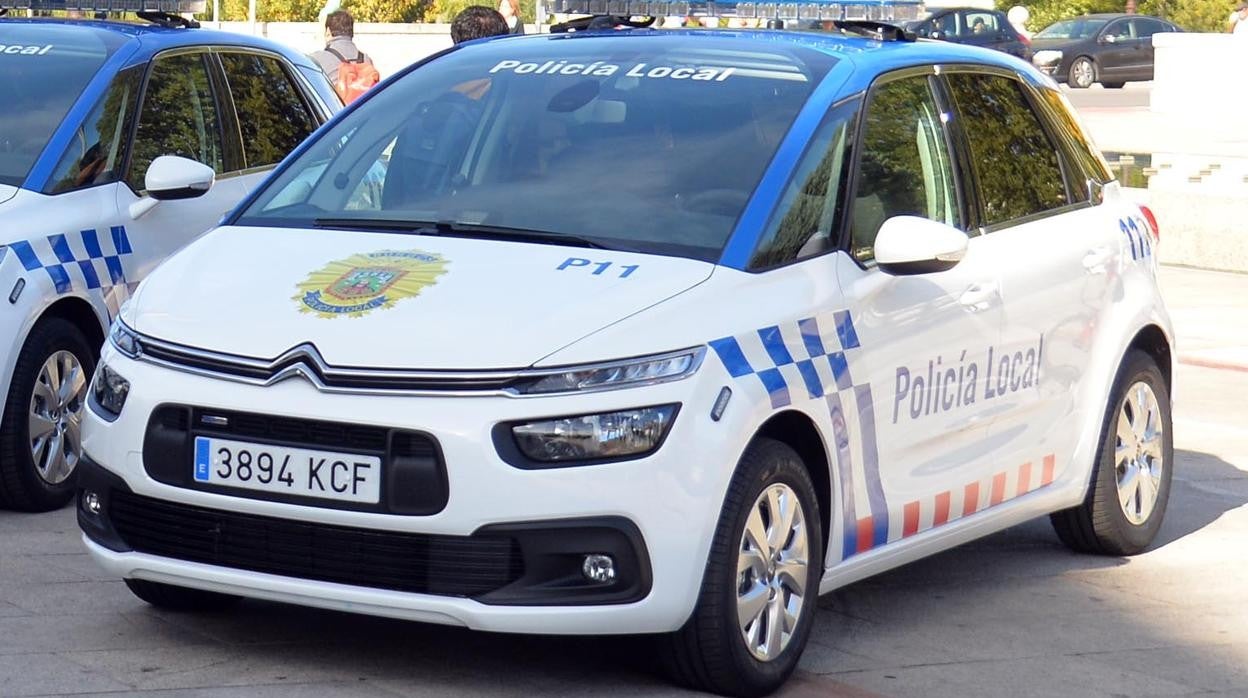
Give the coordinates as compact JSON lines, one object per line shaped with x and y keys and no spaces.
{"x":347,"y":477}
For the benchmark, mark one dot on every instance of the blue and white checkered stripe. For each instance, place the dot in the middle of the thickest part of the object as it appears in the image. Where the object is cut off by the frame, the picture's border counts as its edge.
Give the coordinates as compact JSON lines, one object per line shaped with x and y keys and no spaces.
{"x":808,"y":360}
{"x":86,"y":260}
{"x":807,"y":357}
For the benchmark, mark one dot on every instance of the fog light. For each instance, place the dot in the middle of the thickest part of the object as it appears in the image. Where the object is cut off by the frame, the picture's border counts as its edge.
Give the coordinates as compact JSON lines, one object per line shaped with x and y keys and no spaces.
{"x":91,"y":501}
{"x":599,"y":569}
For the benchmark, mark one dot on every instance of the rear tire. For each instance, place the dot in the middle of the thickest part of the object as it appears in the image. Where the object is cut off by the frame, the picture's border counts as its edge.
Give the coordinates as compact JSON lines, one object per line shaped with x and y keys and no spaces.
{"x":175,"y":598}
{"x":1117,"y":518}
{"x":717,"y":652}
{"x":54,"y":344}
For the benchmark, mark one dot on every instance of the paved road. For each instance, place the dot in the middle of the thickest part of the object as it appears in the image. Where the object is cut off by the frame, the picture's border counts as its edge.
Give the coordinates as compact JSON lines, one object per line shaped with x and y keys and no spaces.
{"x":1013,"y":614}
{"x":1134,"y":94}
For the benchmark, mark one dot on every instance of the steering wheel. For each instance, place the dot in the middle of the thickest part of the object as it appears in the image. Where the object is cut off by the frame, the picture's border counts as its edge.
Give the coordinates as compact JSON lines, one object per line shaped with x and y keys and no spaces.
{"x":719,"y":202}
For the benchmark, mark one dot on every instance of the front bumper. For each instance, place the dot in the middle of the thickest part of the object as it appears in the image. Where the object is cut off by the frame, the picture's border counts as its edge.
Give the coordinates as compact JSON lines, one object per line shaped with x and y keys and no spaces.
{"x":655,"y":516}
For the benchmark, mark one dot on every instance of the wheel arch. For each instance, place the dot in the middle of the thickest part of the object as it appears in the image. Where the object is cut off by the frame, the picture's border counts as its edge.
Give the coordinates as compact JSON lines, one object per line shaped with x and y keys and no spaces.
{"x":798,"y":431}
{"x":1152,"y":340}
{"x":81,"y":314}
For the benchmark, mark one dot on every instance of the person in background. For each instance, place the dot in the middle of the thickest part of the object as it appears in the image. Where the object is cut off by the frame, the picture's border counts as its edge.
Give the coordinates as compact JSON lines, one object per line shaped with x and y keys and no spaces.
{"x":350,"y":71}
{"x":510,"y":10}
{"x":339,"y":44}
{"x":1240,"y":20}
{"x":477,"y":22}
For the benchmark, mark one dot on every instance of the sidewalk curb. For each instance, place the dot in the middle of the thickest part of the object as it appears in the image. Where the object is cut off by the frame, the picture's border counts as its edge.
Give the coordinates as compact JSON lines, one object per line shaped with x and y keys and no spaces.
{"x":1213,"y":363}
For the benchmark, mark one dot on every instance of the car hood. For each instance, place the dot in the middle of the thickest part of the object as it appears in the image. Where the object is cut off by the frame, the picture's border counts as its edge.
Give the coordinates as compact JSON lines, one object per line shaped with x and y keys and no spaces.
{"x":6,"y":192}
{"x":380,"y":300}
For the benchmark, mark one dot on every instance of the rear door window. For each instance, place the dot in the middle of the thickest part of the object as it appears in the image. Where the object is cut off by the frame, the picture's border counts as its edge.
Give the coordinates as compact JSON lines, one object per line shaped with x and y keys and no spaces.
{"x":273,"y":115}
{"x":1016,"y":164}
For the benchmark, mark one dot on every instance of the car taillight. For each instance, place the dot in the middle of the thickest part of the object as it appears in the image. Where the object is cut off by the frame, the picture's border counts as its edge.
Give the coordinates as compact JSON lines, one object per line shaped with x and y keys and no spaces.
{"x":1152,"y":222}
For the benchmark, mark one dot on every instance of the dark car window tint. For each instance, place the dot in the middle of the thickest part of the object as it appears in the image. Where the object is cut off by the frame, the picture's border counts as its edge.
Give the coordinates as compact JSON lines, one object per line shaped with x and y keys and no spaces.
{"x":1121,"y":30}
{"x":1085,"y":160}
{"x":805,"y":221}
{"x":178,"y":117}
{"x":981,"y":24}
{"x":98,"y":150}
{"x":43,"y":70}
{"x":904,"y":168}
{"x":1015,"y":163}
{"x":272,"y":114}
{"x":1145,"y":28}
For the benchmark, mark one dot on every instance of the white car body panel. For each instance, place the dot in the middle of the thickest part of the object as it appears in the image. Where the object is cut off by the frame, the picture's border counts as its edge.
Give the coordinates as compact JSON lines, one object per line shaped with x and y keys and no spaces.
{"x":900,"y":489}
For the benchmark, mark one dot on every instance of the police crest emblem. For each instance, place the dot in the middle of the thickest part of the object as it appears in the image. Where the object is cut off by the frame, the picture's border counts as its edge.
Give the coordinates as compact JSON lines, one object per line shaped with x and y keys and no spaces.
{"x":369,"y":281}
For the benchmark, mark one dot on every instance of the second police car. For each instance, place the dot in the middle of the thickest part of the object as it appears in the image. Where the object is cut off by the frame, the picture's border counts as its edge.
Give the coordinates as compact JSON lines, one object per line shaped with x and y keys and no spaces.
{"x":120,"y":142}
{"x":642,"y":332}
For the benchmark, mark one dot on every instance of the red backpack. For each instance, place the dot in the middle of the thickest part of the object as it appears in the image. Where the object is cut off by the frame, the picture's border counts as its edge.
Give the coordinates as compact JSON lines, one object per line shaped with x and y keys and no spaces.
{"x":354,"y":77}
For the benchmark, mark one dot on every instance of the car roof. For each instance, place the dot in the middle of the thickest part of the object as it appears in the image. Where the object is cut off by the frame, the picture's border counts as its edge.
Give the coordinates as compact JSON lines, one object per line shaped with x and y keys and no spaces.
{"x":860,"y":58}
{"x":148,"y":39}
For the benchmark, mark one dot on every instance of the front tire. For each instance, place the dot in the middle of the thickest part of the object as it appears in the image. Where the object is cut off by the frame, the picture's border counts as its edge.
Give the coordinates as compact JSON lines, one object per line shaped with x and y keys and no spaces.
{"x":761,"y":584}
{"x":175,"y":598}
{"x":40,"y":436}
{"x":1130,"y":486}
{"x":1082,"y":73}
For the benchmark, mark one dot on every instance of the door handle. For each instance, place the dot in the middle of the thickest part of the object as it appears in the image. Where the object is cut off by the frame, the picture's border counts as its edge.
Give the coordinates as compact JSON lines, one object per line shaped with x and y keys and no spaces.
{"x":1096,"y":258}
{"x":979,"y":296}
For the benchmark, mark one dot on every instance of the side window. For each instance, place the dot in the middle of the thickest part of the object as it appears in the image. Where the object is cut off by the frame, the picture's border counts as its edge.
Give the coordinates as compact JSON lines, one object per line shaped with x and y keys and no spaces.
{"x":178,"y":117}
{"x":1016,"y":164}
{"x":1145,"y":28}
{"x":804,"y":223}
{"x":981,"y":23}
{"x":98,"y":151}
{"x":1086,"y":162}
{"x":1120,"y":30}
{"x":904,"y":168}
{"x":272,"y":114}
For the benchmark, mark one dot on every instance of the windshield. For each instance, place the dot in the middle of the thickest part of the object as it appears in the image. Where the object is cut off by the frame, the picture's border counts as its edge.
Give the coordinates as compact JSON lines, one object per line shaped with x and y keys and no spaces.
{"x":633,"y":142}
{"x":43,"y":69}
{"x":1072,"y":29}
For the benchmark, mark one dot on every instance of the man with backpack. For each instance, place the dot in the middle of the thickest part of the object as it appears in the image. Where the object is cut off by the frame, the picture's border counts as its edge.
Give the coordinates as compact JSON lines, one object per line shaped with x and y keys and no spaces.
{"x":350,"y":71}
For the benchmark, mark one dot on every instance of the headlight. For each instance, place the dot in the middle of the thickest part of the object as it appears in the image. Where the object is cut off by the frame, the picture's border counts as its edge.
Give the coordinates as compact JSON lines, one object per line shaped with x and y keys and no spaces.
{"x":630,"y":433}
{"x":1046,"y":57}
{"x":644,"y":370}
{"x":125,"y":339}
{"x":109,"y":391}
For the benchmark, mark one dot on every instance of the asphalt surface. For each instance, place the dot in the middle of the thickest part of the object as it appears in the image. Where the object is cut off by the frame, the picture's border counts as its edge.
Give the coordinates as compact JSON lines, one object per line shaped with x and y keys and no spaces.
{"x":1134,"y":94}
{"x":1012,"y":614}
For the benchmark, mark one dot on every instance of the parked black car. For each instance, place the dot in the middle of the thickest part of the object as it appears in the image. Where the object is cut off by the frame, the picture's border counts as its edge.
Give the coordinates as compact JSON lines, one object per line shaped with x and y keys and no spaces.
{"x":1111,"y":49}
{"x":964,"y":25}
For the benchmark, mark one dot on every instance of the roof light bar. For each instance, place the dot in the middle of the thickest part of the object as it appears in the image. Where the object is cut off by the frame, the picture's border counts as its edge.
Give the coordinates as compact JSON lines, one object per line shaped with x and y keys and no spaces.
{"x":880,"y":10}
{"x":172,"y":7}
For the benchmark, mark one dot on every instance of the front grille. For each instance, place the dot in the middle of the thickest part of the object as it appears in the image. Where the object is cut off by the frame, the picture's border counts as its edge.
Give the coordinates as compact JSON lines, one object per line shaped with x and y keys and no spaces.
{"x":305,"y":361}
{"x":301,"y":432}
{"x":417,"y":563}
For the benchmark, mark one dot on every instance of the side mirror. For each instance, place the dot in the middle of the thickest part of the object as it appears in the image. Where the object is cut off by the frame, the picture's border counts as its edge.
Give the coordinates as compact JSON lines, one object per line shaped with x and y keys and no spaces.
{"x":909,"y":245}
{"x":170,"y":178}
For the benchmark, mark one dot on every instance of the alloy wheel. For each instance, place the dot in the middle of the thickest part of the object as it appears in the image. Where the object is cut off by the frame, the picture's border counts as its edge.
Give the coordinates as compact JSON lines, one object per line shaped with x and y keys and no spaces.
{"x":1139,"y":460}
{"x":55,"y":417}
{"x":772,"y":572}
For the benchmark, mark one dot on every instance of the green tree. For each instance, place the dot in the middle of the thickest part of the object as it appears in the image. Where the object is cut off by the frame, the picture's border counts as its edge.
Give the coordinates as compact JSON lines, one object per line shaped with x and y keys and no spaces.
{"x":1192,"y":15}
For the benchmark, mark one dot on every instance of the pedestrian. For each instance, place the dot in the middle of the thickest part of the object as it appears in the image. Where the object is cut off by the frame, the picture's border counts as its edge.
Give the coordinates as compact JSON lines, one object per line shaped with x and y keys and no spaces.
{"x":1241,"y":20}
{"x":350,"y":71}
{"x":477,"y":22}
{"x":510,"y":10}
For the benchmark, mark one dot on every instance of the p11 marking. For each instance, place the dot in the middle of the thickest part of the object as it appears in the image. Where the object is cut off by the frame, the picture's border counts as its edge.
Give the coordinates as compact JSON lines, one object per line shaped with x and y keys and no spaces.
{"x":599,"y":267}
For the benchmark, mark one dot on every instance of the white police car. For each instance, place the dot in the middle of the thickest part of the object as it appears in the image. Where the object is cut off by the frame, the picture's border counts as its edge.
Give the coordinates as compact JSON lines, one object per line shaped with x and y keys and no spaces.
{"x":111,"y":136}
{"x":642,"y":332}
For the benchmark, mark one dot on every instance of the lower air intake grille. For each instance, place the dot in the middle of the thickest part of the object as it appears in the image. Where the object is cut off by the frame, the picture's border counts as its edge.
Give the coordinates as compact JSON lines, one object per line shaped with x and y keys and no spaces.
{"x":423,"y":564}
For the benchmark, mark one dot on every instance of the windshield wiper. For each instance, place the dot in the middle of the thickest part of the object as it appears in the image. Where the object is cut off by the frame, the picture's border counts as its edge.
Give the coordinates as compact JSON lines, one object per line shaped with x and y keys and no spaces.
{"x":467,"y":230}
